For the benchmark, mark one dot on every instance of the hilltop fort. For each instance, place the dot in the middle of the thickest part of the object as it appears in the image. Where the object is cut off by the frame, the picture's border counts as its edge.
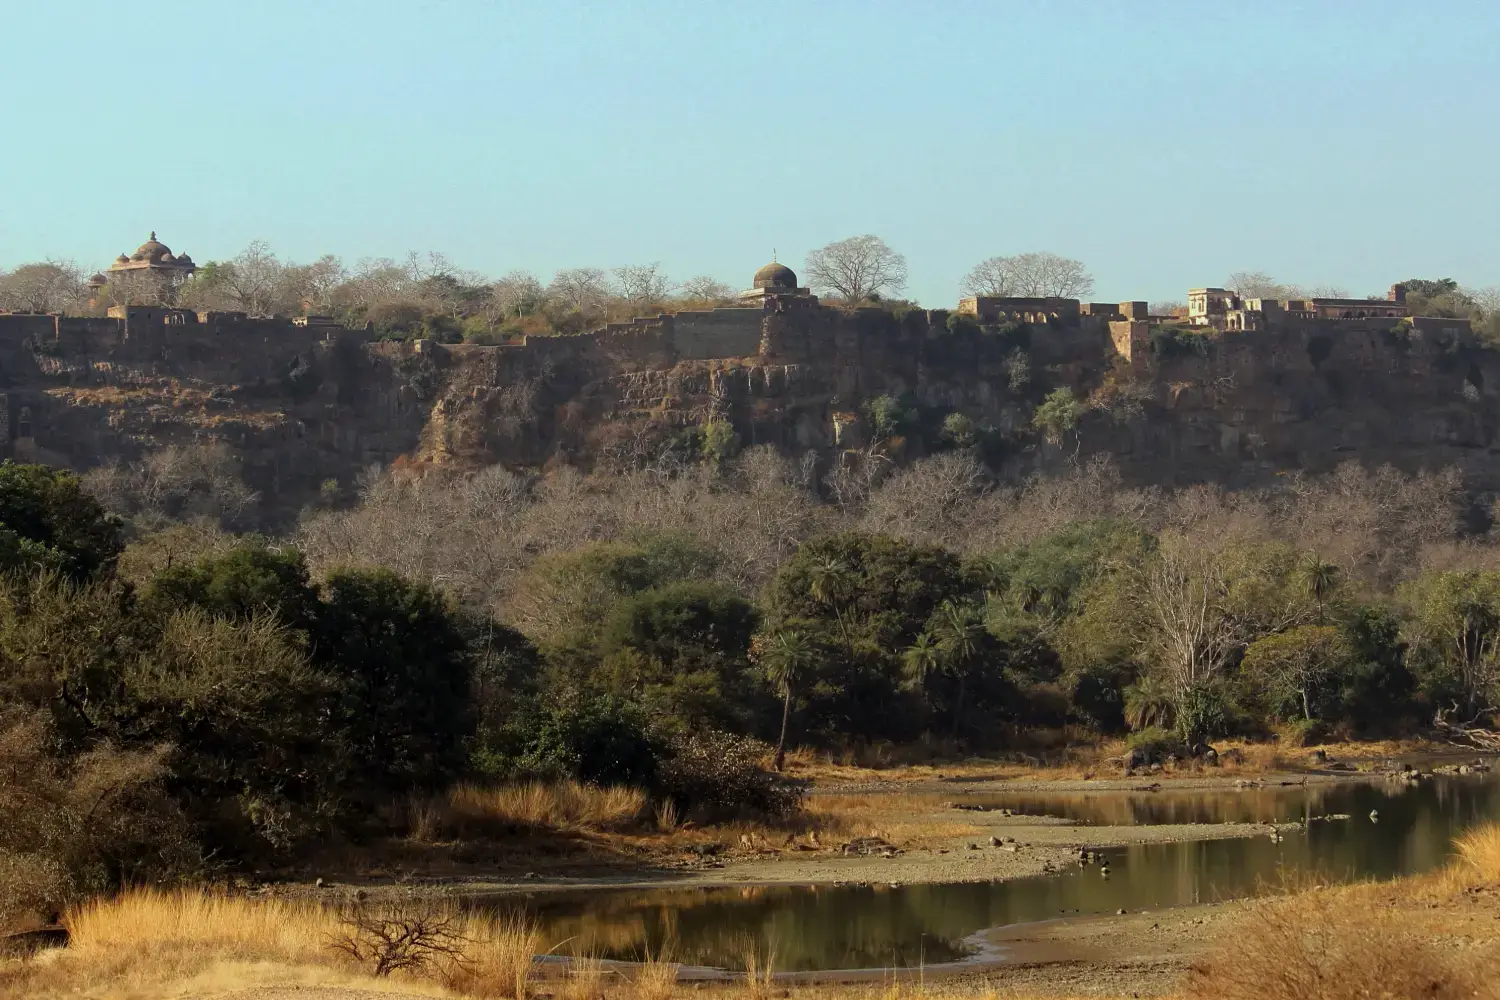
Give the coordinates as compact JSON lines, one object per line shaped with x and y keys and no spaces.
{"x":1238,"y":390}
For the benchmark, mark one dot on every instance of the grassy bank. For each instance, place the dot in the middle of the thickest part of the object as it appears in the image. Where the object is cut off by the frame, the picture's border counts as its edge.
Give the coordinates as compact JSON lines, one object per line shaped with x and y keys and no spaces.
{"x":1434,"y":936}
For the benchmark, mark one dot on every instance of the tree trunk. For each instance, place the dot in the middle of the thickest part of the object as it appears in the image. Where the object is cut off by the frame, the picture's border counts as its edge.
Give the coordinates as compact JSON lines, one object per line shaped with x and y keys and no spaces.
{"x":958,"y":704}
{"x":1306,"y":710}
{"x":786,"y":711}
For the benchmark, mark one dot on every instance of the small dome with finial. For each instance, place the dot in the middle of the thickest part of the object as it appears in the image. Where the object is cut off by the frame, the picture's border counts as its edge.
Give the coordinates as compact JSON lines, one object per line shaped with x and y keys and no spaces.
{"x":775,"y":275}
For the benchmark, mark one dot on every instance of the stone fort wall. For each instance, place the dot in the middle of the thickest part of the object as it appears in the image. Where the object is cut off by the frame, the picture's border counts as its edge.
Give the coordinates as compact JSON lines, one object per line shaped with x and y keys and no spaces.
{"x":306,"y":402}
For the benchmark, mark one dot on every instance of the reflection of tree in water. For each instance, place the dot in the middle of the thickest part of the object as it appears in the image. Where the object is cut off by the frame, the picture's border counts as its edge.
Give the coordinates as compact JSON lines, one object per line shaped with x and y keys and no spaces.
{"x":826,"y":927}
{"x":805,"y":928}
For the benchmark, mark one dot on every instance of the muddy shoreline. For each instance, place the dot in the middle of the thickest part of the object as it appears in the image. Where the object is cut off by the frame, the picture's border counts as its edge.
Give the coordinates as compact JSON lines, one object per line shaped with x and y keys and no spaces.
{"x":1000,"y":846}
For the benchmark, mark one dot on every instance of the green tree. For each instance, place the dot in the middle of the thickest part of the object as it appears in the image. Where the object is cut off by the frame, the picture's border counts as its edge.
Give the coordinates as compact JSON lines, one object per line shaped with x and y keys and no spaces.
{"x":719,"y":443}
{"x":959,"y":431}
{"x":1294,"y":666}
{"x":1455,"y":630}
{"x":251,"y":579}
{"x":48,"y":521}
{"x":829,"y":582}
{"x":1057,"y":416}
{"x":682,"y":650}
{"x":252,"y":726}
{"x":401,"y":656}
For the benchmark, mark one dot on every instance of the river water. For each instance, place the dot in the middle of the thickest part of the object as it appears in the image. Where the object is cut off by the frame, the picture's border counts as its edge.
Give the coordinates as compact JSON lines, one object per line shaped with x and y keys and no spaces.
{"x":880,"y":926}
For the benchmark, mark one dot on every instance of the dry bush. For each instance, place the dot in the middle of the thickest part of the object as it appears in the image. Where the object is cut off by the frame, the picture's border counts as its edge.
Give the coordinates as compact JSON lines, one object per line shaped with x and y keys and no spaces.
{"x":478,"y":811}
{"x":440,"y":528}
{"x":177,"y":483}
{"x":716,"y":775}
{"x":408,"y":937}
{"x":1326,"y":945}
{"x":74,"y":828}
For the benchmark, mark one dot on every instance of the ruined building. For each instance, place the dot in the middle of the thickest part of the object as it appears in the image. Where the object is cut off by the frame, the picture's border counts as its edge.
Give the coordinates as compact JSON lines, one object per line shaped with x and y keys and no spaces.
{"x":1241,"y":391}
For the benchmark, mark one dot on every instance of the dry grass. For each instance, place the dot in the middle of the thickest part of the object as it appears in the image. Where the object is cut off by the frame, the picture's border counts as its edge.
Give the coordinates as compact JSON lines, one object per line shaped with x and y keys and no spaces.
{"x":474,"y":810}
{"x":1320,"y":945}
{"x":497,"y":960}
{"x":760,"y":974}
{"x":141,"y":943}
{"x":655,"y":978}
{"x":906,"y":820}
{"x":585,"y":980}
{"x":1429,"y":936}
{"x":1479,"y":853}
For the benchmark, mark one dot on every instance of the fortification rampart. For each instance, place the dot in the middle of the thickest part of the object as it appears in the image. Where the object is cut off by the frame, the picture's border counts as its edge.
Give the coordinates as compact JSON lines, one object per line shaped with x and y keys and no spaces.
{"x":304,"y":401}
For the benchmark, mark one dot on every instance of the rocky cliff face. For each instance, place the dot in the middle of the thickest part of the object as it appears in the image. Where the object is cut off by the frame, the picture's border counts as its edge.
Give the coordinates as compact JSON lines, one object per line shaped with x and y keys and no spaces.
{"x":301,"y":408}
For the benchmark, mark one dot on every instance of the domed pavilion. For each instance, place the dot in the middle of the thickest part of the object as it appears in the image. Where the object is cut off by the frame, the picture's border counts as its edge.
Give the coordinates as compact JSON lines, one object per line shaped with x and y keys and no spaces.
{"x":774,"y":279}
{"x":157,"y":258}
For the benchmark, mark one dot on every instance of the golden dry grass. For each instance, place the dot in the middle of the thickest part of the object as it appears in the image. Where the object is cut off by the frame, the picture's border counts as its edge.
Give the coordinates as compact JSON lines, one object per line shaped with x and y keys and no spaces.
{"x":1479,"y":853}
{"x":1431,"y":936}
{"x":655,"y":978}
{"x":560,"y":805}
{"x":584,"y":981}
{"x":905,"y":820}
{"x":145,"y":942}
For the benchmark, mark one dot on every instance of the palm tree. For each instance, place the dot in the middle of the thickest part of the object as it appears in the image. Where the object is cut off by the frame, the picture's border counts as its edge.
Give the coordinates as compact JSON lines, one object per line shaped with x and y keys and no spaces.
{"x":786,"y":658}
{"x":829,"y":583}
{"x":959,"y":631}
{"x":921,"y":659}
{"x":1319,"y":579}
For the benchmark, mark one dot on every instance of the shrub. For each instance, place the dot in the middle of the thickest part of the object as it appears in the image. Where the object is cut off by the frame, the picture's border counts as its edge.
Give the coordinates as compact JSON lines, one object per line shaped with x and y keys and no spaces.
{"x":75,"y":828}
{"x":719,"y":442}
{"x":1153,"y":745}
{"x":48,"y":522}
{"x":716,"y":775}
{"x":599,"y":740}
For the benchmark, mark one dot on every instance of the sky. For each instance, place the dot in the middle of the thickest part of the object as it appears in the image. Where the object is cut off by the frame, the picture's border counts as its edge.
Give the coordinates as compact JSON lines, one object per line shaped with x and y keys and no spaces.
{"x":1347,"y":143}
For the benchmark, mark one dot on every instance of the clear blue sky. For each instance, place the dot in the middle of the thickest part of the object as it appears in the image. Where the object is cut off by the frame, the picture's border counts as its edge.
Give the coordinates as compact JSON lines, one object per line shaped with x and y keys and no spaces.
{"x":1340,"y":142}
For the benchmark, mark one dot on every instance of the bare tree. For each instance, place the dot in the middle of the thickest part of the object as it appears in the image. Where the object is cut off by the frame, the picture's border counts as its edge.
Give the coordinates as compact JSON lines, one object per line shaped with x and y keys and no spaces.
{"x":1260,"y":285}
{"x":516,"y":294}
{"x":706,"y":288}
{"x":1032,"y":275}
{"x":44,"y":287}
{"x":143,"y":288}
{"x":1184,"y":625}
{"x":410,"y":936}
{"x":312,"y":285}
{"x":856,"y":269}
{"x":642,"y":284}
{"x":581,"y":289}
{"x":1256,"y":285}
{"x":251,"y":281}
{"x":375,"y":280}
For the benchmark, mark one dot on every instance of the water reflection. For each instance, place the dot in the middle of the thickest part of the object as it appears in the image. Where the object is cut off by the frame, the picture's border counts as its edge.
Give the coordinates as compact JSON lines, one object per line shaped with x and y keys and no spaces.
{"x":876,"y":926}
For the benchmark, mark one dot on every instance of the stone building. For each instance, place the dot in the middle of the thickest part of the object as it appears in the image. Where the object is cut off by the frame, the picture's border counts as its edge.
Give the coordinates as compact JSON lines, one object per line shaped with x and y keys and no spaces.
{"x":774,"y":280}
{"x":1224,"y":309}
{"x":154,"y":265}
